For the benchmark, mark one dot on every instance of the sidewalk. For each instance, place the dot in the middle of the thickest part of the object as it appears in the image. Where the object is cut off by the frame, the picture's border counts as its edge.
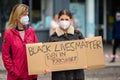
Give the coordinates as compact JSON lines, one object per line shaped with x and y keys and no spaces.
{"x":108,"y":55}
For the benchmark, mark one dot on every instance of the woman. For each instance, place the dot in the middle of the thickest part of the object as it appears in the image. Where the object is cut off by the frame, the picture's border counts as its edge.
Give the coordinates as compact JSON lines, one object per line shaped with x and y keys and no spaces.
{"x":66,"y":32}
{"x":54,"y":24}
{"x":17,"y":34}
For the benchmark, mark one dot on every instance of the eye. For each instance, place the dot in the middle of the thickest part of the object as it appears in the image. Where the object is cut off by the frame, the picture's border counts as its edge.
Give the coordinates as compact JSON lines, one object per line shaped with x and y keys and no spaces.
{"x":62,"y":19}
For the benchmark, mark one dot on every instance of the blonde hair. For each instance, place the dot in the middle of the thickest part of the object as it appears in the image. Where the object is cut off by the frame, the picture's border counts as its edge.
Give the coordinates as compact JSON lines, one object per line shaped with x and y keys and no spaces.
{"x":17,"y":10}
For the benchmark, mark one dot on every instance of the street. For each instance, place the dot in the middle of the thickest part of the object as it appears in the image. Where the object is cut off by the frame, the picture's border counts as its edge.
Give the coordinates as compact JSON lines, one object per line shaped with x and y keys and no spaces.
{"x":107,"y":73}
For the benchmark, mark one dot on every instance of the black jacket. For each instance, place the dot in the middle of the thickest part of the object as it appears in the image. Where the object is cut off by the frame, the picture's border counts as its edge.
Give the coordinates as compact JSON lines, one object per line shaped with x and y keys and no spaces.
{"x":116,"y":30}
{"x":69,"y":74}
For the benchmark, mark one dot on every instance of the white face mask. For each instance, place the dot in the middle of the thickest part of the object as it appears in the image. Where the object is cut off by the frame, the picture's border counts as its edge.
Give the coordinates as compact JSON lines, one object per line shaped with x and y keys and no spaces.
{"x":24,"y":20}
{"x":64,"y":24}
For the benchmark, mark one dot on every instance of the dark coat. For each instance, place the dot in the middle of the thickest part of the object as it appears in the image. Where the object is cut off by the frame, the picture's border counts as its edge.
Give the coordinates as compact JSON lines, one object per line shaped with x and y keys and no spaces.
{"x":116,"y":30}
{"x":69,"y":74}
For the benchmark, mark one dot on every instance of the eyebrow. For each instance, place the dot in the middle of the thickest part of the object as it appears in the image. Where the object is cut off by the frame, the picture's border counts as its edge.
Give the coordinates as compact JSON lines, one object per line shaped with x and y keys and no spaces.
{"x":64,"y":19}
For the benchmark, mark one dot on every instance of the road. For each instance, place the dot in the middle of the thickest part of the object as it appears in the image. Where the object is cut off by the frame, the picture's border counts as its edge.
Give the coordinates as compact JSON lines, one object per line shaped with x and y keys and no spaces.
{"x":107,"y":73}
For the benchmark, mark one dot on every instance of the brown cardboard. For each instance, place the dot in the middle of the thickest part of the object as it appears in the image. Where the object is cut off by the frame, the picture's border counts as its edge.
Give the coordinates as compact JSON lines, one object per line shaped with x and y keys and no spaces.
{"x":94,"y":52}
{"x":64,"y":55}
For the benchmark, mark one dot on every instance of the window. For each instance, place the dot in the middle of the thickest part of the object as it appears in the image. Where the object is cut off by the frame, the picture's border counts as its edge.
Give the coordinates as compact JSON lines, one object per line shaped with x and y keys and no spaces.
{"x":5,"y":10}
{"x":36,"y":10}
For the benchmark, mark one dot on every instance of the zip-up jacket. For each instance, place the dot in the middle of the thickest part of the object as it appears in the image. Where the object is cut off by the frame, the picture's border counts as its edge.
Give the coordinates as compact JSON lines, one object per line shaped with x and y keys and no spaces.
{"x":14,"y":53}
{"x":71,"y":34}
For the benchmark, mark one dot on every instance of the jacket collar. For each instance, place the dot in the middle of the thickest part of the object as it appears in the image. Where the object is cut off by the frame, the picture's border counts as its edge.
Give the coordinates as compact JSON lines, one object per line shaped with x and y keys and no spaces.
{"x":15,"y":30}
{"x":61,"y":32}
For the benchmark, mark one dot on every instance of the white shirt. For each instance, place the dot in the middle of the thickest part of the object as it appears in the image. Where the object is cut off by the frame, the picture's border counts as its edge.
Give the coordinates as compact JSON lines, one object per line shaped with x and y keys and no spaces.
{"x":22,"y":34}
{"x":53,"y":25}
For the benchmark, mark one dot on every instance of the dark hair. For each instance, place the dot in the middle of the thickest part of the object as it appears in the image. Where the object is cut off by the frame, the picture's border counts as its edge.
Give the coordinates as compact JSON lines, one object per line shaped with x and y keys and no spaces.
{"x":65,"y":12}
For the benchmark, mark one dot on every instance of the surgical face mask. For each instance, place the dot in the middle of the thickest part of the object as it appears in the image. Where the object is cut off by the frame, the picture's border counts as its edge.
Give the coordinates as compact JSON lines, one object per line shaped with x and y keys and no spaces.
{"x":64,"y":24}
{"x":24,"y":20}
{"x":118,"y":19}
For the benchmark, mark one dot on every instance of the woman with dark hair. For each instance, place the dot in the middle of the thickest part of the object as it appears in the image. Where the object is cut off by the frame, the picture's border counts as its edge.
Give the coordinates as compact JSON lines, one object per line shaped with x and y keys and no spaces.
{"x":66,"y":32}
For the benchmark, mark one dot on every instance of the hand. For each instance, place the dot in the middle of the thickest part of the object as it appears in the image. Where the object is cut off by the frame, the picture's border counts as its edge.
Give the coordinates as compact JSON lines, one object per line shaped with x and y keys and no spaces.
{"x":86,"y":68}
{"x":47,"y":71}
{"x":113,"y":42}
{"x":54,"y":29}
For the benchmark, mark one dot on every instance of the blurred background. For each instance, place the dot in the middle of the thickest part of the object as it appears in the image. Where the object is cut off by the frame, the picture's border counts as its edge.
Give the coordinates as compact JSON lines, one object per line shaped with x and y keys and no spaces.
{"x":95,"y":18}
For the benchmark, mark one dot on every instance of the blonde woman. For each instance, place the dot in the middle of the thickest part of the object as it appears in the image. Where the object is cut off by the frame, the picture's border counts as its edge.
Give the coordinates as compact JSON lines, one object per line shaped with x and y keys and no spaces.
{"x":17,"y":34}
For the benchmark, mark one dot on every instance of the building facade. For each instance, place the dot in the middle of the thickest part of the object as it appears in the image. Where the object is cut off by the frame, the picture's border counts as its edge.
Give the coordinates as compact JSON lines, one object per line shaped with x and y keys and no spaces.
{"x":95,"y":17}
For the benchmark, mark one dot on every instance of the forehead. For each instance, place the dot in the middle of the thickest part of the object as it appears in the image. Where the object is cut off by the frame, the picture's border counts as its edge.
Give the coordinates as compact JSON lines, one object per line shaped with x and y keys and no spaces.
{"x":64,"y":16}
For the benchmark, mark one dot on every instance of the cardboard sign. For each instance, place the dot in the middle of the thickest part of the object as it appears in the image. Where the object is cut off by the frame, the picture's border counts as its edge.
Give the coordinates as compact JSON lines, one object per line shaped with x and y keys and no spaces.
{"x":94,"y":53}
{"x":65,"y":55}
